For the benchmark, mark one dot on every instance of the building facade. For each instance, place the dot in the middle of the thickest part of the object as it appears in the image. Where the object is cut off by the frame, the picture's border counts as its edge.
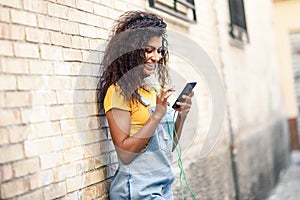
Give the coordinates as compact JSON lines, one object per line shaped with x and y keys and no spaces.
{"x":52,"y":144}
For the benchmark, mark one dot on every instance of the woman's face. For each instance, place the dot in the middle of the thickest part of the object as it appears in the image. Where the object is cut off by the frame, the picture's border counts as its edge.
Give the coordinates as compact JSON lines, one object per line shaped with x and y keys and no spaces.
{"x":153,"y":54}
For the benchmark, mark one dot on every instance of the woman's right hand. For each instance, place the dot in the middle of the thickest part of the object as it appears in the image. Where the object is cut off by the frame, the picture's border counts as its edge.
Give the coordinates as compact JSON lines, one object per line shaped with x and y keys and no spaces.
{"x":162,"y":101}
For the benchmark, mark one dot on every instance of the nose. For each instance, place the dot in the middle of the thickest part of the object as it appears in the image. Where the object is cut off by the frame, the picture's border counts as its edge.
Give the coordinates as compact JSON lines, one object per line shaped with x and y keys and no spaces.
{"x":155,"y":57}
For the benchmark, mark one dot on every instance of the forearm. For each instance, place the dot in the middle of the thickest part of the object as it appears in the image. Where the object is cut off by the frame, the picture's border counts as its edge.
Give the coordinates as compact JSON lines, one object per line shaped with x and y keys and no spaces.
{"x":132,"y":146}
{"x":137,"y":142}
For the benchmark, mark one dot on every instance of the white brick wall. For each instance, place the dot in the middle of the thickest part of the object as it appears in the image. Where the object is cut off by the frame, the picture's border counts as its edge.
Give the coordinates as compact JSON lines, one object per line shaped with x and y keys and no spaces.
{"x":51,"y":144}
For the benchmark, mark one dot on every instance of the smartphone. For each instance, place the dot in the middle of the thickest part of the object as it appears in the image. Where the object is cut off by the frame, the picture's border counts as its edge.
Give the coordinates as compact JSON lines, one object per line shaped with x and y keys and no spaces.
{"x":186,"y":91}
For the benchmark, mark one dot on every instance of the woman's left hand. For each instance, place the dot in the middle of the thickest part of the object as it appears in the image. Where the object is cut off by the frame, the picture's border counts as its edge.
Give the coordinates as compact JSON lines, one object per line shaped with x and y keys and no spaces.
{"x":186,"y":105}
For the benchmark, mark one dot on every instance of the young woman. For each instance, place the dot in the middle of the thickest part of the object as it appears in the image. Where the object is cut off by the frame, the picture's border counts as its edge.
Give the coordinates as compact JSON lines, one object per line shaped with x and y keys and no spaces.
{"x":141,"y":122}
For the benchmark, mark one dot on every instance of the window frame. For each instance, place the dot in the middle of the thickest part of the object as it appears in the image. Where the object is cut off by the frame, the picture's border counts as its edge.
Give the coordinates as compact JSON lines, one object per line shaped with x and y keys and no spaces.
{"x":190,"y":4}
{"x":238,"y":23}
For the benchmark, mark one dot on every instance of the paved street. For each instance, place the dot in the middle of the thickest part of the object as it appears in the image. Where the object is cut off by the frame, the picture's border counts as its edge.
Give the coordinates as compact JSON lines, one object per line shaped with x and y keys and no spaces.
{"x":288,"y":187}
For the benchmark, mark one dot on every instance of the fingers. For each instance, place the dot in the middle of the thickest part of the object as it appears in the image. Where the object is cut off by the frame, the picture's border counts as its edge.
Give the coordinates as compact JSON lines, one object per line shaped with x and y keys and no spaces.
{"x":187,"y":104}
{"x":165,"y":93}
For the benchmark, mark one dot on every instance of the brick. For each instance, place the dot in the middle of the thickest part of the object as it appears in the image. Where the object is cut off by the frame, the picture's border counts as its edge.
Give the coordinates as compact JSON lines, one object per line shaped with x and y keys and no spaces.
{"x":107,"y":3}
{"x":55,"y":190}
{"x":91,"y":56}
{"x":94,"y":176}
{"x":80,"y":42}
{"x":64,"y":171}
{"x":9,"y":117}
{"x":37,"y":35}
{"x":35,"y":114}
{"x":18,"y":99}
{"x":102,"y":160}
{"x":62,"y":142}
{"x":121,"y":6}
{"x":6,"y":172}
{"x":62,"y":68}
{"x":14,"y":66}
{"x":106,"y":146}
{"x":84,"y":110}
{"x":64,"y":96}
{"x":4,"y":14}
{"x":51,"y":52}
{"x":100,"y":10}
{"x":92,"y":150}
{"x":81,"y":124}
{"x":35,"y":6}
{"x":77,"y":16}
{"x":31,"y":82}
{"x":73,"y":154}
{"x":14,"y":188}
{"x":13,"y":4}
{"x":59,"y":83}
{"x":114,"y":14}
{"x":37,"y":147}
{"x":49,"y":23}
{"x":43,"y":130}
{"x":68,"y":126}
{"x":82,"y":70}
{"x":97,"y":44}
{"x":23,"y":17}
{"x":72,"y":55}
{"x":108,"y":24}
{"x":4,"y":139}
{"x":69,"y":27}
{"x":26,"y":50}
{"x":40,"y":179}
{"x":84,"y":5}
{"x":38,"y":194}
{"x":51,"y":160}
{"x":61,"y":112}
{"x":88,"y":31}
{"x":70,"y":3}
{"x":19,"y":133}
{"x":91,"y":83}
{"x":84,"y":96}
{"x":2,"y":100}
{"x":11,"y":31}
{"x":25,"y":167}
{"x":90,"y":192}
{"x":6,"y":48}
{"x":8,"y":82}
{"x":75,"y":183}
{"x":40,"y":67}
{"x":11,"y":153}
{"x":38,"y":97}
{"x":84,"y":166}
{"x":102,"y":188}
{"x":94,"y":20}
{"x":60,"y":39}
{"x":57,"y":11}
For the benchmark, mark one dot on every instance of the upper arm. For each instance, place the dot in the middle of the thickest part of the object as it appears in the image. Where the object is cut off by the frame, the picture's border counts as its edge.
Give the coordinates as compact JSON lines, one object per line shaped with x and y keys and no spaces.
{"x":119,"y":125}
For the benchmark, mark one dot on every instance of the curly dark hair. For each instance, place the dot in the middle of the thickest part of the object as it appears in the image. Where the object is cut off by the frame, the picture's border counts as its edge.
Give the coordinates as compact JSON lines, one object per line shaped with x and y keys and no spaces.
{"x":124,"y":55}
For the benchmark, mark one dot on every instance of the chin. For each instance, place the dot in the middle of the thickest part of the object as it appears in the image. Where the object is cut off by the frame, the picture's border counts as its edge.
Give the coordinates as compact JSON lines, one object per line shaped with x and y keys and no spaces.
{"x":148,"y":73}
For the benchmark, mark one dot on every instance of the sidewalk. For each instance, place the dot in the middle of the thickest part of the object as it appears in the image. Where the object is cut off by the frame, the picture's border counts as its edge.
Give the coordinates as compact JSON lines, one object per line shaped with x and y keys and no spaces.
{"x":288,"y":187}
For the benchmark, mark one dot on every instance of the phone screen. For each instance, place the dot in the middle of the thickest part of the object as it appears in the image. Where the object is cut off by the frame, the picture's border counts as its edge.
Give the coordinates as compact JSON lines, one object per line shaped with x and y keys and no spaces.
{"x":186,"y":91}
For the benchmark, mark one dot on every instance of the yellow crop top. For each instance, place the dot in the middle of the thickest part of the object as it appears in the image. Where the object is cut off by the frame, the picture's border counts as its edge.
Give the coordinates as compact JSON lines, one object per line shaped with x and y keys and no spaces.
{"x":139,"y":113}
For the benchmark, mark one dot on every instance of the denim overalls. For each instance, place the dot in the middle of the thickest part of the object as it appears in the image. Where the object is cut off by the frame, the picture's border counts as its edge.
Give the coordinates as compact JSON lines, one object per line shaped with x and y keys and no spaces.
{"x":150,"y":174}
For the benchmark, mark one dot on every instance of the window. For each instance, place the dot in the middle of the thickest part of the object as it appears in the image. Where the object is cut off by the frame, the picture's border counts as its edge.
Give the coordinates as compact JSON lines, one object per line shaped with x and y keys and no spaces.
{"x":183,"y":9}
{"x":238,"y":26}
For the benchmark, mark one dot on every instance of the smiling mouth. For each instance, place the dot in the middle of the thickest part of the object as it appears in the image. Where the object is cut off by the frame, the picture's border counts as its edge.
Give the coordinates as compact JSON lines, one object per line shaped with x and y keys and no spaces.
{"x":150,"y":66}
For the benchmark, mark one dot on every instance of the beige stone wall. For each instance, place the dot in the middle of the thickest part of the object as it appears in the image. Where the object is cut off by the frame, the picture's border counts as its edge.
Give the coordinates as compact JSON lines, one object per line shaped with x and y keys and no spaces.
{"x":286,"y":21}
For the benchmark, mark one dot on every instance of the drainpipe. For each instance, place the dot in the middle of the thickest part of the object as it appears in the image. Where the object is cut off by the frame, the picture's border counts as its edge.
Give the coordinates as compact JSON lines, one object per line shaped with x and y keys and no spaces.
{"x":232,"y":145}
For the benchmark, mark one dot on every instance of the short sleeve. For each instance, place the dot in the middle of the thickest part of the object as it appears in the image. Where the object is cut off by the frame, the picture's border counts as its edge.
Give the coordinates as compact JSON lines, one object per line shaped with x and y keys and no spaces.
{"x":113,"y":99}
